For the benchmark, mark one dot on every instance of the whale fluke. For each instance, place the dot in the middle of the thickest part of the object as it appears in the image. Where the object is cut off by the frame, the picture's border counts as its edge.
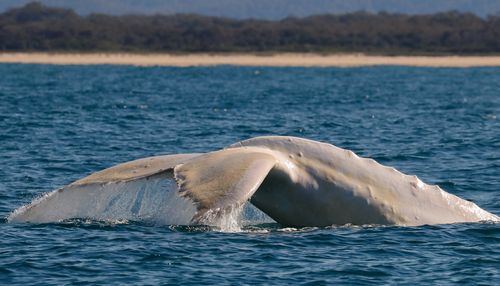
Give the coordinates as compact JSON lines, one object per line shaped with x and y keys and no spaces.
{"x":296,"y":182}
{"x":220,"y":181}
{"x":135,"y":190}
{"x":136,"y":169}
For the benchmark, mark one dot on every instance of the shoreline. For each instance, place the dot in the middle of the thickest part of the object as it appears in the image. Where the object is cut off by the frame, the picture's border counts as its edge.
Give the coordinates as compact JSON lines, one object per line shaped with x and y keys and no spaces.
{"x":248,"y":59}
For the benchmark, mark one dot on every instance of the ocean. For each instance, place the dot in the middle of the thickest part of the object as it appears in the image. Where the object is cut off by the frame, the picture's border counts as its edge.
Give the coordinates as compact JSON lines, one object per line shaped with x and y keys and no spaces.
{"x":61,"y":123}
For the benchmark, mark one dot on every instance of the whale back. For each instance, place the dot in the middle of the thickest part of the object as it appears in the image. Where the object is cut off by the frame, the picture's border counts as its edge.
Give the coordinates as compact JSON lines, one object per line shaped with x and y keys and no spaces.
{"x":366,"y":190}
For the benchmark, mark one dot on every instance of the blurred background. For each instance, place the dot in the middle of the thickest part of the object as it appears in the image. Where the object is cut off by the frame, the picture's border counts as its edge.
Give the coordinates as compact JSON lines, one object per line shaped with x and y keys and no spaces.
{"x":266,"y":9}
{"x":366,"y":26}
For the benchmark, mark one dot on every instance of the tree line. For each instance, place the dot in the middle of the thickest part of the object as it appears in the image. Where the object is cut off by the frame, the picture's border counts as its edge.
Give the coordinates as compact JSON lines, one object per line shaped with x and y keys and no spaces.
{"x":35,"y":27}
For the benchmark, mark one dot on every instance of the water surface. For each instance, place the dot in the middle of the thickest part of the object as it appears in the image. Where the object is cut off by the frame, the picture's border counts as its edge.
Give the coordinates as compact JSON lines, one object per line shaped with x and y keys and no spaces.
{"x":60,"y":123}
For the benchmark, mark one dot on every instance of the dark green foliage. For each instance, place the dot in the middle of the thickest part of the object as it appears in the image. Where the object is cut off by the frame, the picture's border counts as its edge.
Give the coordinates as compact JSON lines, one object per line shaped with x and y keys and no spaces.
{"x":37,"y":28}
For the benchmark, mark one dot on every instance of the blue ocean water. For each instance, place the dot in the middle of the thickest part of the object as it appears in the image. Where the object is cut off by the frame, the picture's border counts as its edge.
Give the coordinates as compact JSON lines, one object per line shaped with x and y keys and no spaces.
{"x":60,"y":123}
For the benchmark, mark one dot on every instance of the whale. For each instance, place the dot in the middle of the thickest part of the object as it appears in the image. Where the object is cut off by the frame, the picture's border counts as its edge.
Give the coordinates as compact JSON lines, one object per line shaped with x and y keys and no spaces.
{"x":296,"y":182}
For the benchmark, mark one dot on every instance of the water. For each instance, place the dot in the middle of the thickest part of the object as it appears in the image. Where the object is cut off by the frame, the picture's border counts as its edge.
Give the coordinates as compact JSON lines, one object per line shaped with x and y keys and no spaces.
{"x":60,"y":123}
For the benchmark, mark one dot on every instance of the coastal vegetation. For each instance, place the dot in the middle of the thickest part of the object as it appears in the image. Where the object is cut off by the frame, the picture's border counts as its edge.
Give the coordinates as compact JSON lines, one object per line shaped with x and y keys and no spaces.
{"x":35,"y":27}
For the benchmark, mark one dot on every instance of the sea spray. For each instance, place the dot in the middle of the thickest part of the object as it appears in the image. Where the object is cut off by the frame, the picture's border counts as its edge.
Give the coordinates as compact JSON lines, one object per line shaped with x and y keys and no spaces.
{"x":251,"y":215}
{"x":234,"y":218}
{"x":225,"y":220}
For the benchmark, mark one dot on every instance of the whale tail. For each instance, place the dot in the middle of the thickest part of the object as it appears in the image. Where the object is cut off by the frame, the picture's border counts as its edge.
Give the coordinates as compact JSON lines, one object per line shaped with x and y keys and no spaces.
{"x":220,"y":181}
{"x":295,"y":182}
{"x":143,"y":189}
{"x":172,"y":189}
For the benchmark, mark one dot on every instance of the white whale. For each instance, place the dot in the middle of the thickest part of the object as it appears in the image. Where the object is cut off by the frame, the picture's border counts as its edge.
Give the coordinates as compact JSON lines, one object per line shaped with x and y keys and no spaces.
{"x":296,"y":182}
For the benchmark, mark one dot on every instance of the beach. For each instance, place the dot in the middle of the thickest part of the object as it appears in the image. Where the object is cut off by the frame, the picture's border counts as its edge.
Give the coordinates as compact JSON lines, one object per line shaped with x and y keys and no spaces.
{"x":277,"y":60}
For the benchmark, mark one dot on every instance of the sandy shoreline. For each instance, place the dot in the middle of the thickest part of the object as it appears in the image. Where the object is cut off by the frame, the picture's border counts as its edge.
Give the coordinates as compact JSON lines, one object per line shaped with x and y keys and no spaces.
{"x":279,"y":60}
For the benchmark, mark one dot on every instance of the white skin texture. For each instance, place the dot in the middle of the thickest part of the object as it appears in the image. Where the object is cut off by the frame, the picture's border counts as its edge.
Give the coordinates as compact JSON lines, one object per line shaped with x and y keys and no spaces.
{"x":296,"y":182}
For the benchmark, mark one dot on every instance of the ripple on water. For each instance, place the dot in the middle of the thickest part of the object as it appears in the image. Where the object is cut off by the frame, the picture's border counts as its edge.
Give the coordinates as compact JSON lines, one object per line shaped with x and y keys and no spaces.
{"x":59,"y":123}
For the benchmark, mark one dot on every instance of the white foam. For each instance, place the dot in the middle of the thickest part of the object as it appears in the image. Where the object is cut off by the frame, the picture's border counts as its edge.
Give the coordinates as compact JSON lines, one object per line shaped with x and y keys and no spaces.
{"x":234,"y":218}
